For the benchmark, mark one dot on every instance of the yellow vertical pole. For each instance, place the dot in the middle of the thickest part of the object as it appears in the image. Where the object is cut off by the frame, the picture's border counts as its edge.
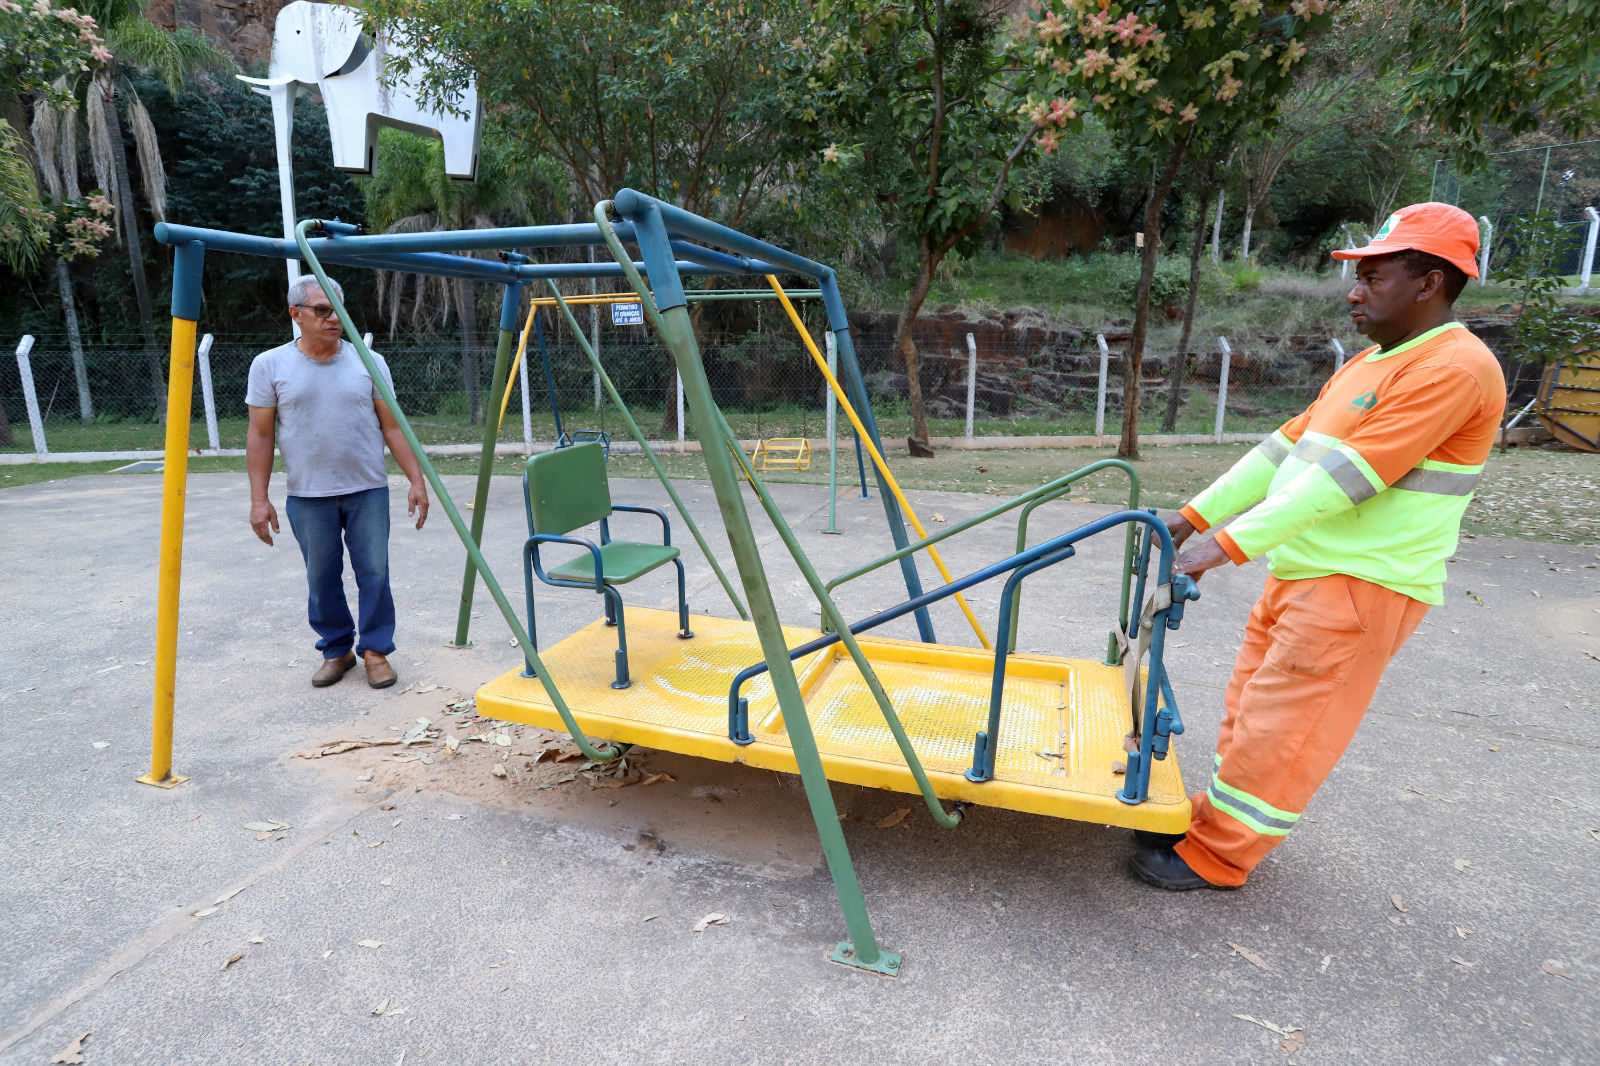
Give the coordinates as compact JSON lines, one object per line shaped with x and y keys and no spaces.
{"x":174,"y":486}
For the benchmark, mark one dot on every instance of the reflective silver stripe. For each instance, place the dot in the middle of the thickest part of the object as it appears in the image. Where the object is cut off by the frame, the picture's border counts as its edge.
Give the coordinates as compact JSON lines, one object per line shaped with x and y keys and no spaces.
{"x":1232,"y":805}
{"x":1308,"y":450}
{"x":1347,"y":476}
{"x":1438,"y":482}
{"x":1273,"y":451}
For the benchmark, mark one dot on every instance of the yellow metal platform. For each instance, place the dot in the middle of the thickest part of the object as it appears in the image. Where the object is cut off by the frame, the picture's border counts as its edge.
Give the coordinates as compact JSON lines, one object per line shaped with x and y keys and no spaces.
{"x":1060,"y":733}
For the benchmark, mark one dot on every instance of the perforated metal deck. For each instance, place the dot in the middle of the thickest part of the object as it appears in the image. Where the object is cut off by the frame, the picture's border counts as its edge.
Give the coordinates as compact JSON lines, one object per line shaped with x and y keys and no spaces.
{"x":1061,"y":728}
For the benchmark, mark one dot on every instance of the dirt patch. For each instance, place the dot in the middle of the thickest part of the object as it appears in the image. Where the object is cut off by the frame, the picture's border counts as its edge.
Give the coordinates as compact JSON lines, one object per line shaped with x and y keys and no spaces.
{"x":432,"y":740}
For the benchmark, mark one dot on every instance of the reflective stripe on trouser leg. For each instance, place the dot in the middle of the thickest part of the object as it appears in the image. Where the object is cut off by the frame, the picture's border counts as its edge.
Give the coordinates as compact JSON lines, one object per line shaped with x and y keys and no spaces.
{"x":1311,"y":658}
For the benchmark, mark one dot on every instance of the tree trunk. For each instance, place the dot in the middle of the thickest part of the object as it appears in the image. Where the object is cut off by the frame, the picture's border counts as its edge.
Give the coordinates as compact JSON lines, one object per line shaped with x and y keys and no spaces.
{"x":1249,"y":220}
{"x":1129,"y":446}
{"x":80,"y":369}
{"x":1216,"y":228}
{"x":467,"y":306}
{"x":130,"y":236}
{"x":1180,"y":366}
{"x":929,"y":262}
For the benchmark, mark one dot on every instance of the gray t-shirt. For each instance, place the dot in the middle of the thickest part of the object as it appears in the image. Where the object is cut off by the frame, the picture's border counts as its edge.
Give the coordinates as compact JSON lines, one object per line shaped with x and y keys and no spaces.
{"x":328,"y":431}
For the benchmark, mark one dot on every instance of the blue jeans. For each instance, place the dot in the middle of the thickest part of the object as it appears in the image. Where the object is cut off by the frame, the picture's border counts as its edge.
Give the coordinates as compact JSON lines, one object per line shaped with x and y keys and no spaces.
{"x":364,"y":519}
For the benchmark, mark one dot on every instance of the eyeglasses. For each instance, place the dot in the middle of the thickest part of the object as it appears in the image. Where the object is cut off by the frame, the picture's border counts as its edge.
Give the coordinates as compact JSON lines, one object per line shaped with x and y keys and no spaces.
{"x":319,"y":310}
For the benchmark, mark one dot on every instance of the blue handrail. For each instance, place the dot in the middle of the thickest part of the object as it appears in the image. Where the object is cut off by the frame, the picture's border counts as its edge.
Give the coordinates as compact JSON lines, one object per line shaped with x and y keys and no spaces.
{"x":1055,"y":550}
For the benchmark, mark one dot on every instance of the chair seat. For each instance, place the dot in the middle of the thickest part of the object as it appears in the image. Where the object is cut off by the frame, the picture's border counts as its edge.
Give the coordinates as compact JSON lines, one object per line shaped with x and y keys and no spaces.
{"x":621,"y":561}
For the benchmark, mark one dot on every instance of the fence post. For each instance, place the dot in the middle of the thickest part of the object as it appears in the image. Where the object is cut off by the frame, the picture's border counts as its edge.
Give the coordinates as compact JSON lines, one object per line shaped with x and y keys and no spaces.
{"x":681,"y":448}
{"x":25,"y":371}
{"x":1100,"y":397}
{"x":1338,"y":353}
{"x":1222,"y":384}
{"x":1588,"y":248}
{"x":203,"y":357}
{"x":1483,"y":249}
{"x":527,"y":409}
{"x":972,"y":379}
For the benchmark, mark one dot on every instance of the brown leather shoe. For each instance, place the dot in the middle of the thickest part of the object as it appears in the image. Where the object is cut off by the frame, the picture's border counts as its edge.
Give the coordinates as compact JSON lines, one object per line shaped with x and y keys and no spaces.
{"x":379,"y":673}
{"x":331,"y":670}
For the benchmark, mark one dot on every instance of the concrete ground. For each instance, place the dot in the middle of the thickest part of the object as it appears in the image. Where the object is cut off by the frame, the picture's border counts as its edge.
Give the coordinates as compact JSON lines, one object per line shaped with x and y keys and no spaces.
{"x":1438,"y":903}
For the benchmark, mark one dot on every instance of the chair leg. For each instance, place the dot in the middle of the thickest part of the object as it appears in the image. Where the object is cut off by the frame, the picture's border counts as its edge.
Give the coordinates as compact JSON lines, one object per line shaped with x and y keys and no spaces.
{"x":684,"y":632}
{"x":611,"y":612}
{"x":614,"y":609}
{"x":533,"y":637}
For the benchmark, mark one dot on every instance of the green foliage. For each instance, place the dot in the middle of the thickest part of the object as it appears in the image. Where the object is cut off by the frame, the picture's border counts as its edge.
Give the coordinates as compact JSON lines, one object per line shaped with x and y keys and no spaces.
{"x":684,"y":101}
{"x":920,"y":102}
{"x":1244,"y":277}
{"x":1474,"y":65}
{"x":135,"y":42}
{"x":1169,"y":286}
{"x":1543,"y":333}
{"x":409,"y":180}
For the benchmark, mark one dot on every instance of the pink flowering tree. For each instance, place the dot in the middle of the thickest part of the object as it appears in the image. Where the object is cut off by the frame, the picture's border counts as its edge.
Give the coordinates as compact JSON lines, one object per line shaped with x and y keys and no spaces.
{"x":1169,"y":76}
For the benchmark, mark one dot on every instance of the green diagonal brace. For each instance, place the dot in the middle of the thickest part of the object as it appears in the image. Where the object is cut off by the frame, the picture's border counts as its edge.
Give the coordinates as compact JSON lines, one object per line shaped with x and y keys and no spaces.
{"x":382,"y":385}
{"x":491,"y":435}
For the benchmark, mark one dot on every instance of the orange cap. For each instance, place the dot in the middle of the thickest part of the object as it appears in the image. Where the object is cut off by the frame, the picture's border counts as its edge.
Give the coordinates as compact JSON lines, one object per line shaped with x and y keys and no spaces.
{"x":1438,"y":229}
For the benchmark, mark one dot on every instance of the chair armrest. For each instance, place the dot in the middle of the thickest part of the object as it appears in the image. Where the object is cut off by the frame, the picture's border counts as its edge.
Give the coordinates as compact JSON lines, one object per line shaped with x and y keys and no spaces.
{"x":532,"y":545}
{"x":666,"y":526}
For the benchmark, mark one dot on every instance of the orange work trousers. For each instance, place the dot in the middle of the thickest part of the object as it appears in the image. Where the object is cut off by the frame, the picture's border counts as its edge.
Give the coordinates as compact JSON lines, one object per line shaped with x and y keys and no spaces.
{"x":1312,"y":655}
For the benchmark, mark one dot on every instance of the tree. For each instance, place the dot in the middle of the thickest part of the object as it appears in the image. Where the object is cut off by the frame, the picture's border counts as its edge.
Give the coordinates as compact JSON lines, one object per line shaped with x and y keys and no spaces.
{"x":136,"y":43}
{"x":1166,"y":75}
{"x":692,"y":103}
{"x":411,"y":193}
{"x":1475,"y":65}
{"x":920,"y":99}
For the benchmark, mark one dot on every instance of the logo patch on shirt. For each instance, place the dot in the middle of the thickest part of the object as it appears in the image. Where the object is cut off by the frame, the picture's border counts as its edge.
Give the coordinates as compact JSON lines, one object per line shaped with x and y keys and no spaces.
{"x":1365,"y":402}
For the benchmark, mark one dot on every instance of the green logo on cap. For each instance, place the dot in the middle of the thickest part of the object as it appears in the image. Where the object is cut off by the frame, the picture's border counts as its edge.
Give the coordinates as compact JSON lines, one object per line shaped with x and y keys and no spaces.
{"x":1387,"y":226}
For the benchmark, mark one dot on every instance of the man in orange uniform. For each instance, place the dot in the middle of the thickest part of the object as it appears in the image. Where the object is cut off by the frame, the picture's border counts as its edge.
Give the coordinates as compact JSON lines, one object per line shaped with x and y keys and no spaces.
{"x":1356,"y":503}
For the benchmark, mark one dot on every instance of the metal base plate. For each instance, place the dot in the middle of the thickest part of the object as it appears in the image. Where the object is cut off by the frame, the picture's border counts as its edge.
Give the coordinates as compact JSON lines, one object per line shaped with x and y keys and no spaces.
{"x":460,"y":647}
{"x":888,"y":963}
{"x":170,"y":781}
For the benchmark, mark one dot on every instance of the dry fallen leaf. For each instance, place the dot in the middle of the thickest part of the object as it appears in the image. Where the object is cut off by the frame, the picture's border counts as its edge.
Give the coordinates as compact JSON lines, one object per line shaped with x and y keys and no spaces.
{"x":1460,"y":961}
{"x":226,"y":896}
{"x":1399,"y":903}
{"x":937,"y":517}
{"x":1253,"y":959}
{"x":383,"y":1005}
{"x":1549,"y":966}
{"x":656,"y":779}
{"x":206,"y":913}
{"x":1118,"y":766}
{"x":894,"y":819}
{"x":256,"y":940}
{"x":1463,"y":933}
{"x":650,"y":917}
{"x":231,"y":960}
{"x":497,"y":770}
{"x":73,"y":1052}
{"x":1284,"y":1031}
{"x":369,"y":943}
{"x":1462,"y":864}
{"x":709,"y":920}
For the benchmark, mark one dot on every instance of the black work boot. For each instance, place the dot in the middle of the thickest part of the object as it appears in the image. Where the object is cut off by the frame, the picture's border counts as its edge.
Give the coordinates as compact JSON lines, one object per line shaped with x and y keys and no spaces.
{"x":1166,"y":869}
{"x":1146,"y":839}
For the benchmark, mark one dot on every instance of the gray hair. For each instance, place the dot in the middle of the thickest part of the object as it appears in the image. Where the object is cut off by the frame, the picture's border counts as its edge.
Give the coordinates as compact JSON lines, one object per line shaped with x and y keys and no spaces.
{"x":305,"y":285}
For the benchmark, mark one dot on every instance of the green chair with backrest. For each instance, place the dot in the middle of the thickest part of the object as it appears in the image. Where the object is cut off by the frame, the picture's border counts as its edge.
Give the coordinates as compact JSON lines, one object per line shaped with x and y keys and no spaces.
{"x":566,"y":490}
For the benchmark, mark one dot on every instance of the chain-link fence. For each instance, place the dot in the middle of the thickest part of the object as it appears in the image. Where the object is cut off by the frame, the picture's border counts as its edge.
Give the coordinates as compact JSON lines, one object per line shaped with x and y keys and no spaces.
{"x":768,"y":386}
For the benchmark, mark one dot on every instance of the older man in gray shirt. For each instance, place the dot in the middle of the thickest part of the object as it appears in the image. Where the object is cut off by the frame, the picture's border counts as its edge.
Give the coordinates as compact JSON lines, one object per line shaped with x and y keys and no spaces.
{"x":315,"y":396}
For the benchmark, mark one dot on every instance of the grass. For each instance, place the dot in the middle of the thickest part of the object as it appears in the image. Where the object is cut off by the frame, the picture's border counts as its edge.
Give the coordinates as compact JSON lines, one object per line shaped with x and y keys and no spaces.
{"x":1527,"y":494}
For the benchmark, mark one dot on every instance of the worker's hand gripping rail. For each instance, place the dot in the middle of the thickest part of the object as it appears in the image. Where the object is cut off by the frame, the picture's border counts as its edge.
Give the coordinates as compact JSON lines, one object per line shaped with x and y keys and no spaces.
{"x":381,"y":383}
